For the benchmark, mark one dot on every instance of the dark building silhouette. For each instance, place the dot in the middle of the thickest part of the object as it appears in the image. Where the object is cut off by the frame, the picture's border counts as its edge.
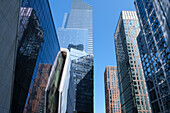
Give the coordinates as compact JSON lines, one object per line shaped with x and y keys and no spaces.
{"x":84,"y":97}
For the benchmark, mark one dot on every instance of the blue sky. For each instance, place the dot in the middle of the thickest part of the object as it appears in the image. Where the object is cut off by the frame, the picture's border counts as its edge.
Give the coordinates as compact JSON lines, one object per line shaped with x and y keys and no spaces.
{"x":105,"y":17}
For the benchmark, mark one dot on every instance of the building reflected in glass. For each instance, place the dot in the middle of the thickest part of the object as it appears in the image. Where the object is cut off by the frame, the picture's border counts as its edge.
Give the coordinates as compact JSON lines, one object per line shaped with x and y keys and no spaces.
{"x":39,"y":92}
{"x":38,"y":44}
{"x":78,"y":38}
{"x":76,"y":34}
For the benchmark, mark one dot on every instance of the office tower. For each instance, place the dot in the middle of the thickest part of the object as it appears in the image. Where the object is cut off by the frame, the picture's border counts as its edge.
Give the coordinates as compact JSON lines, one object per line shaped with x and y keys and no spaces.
{"x":77,"y":27}
{"x":112,"y":94}
{"x":154,"y":47}
{"x":73,"y":38}
{"x":42,"y":77}
{"x":75,"y":54}
{"x":9,"y":18}
{"x":82,"y":72}
{"x":38,"y":44}
{"x":76,"y":34}
{"x":133,"y":91}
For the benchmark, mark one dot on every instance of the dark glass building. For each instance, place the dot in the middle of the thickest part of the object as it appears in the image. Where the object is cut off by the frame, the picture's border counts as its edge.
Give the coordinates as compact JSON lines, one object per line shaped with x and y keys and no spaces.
{"x":38,"y":44}
{"x":154,"y":47}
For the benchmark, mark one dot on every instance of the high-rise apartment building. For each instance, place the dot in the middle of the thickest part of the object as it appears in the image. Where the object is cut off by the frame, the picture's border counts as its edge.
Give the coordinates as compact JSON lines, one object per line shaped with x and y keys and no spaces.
{"x":76,"y":34}
{"x":112,"y":94}
{"x":154,"y":47}
{"x":9,"y":19}
{"x":133,"y":91}
{"x":37,"y":44}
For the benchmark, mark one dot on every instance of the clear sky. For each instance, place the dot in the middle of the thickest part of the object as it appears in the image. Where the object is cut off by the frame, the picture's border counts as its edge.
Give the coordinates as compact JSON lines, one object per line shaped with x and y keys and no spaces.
{"x":105,"y":18}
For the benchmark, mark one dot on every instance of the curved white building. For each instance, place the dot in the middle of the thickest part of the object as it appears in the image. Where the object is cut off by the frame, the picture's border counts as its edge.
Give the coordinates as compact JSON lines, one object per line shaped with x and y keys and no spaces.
{"x":56,"y":92}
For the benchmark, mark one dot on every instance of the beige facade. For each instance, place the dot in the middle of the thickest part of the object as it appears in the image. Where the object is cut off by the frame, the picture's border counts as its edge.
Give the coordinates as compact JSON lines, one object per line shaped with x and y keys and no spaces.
{"x":112,"y":95}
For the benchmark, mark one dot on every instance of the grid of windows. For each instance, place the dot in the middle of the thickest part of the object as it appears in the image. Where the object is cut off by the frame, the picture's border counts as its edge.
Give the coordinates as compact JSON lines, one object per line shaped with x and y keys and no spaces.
{"x":154,"y":52}
{"x":112,"y":95}
{"x":131,"y":78}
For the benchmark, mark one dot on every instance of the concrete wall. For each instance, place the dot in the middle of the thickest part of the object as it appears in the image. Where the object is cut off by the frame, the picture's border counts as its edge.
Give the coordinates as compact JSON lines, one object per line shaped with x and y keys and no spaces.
{"x":9,"y":18}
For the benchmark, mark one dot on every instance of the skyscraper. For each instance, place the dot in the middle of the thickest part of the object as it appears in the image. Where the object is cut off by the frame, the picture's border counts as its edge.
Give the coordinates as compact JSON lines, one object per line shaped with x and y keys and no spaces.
{"x":112,"y":94}
{"x":9,"y":18}
{"x":76,"y":34}
{"x":133,"y":91}
{"x":154,"y":47}
{"x":77,"y":26}
{"x":38,"y":44}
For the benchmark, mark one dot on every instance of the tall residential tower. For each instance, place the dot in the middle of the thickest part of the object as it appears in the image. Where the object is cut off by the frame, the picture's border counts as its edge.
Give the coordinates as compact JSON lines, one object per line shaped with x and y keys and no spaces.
{"x":112,"y":94}
{"x":133,"y":91}
{"x":154,"y":47}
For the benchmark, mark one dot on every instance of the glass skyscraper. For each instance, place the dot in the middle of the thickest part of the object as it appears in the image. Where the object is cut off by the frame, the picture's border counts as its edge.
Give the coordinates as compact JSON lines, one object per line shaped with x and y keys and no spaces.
{"x":112,"y":93}
{"x":76,"y":34}
{"x":154,"y":47}
{"x":74,"y":37}
{"x":38,"y":44}
{"x":77,"y":26}
{"x":133,"y":91}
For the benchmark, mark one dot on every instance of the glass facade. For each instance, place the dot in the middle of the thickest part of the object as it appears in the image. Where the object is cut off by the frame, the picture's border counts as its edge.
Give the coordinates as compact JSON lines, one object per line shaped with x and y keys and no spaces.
{"x":38,"y":90}
{"x":76,"y":34}
{"x":133,"y":91}
{"x":38,"y":44}
{"x":75,"y":54}
{"x":77,"y":26}
{"x":154,"y":46}
{"x":74,"y":37}
{"x":82,"y":72}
